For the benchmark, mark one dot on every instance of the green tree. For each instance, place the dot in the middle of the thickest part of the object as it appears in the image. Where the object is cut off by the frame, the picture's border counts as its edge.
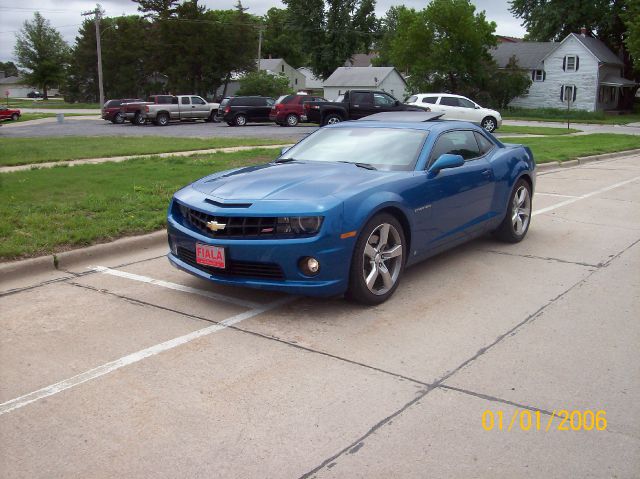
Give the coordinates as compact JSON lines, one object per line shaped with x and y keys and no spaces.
{"x":9,"y":68}
{"x":42,"y":51}
{"x":444,"y":47}
{"x":632,"y":23}
{"x":280,"y":39}
{"x":264,"y":84}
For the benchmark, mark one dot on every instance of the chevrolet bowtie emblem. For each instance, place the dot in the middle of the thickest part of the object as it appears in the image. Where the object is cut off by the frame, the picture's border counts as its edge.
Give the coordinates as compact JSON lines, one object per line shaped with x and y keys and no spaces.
{"x":215,"y":226}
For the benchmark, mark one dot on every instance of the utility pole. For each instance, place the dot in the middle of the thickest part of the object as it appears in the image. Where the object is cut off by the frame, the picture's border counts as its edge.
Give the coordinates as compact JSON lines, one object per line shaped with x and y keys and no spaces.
{"x":259,"y":46}
{"x":97,"y":17}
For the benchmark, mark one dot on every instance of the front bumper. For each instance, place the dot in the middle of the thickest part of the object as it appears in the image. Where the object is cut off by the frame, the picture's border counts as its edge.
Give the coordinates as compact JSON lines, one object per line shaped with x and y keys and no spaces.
{"x":333,"y":253}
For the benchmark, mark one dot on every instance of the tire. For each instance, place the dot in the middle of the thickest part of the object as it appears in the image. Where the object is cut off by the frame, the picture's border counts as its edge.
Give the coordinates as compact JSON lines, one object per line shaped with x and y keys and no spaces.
{"x":138,"y":119}
{"x":331,"y":119}
{"x":240,"y":120}
{"x":516,"y":222}
{"x":162,"y":119}
{"x":489,"y":123}
{"x":292,"y":119}
{"x":374,"y":277}
{"x":15,"y":117}
{"x":118,"y":119}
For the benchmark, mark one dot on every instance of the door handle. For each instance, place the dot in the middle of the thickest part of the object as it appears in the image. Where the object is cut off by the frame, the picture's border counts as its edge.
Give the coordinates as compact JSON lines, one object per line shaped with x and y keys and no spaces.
{"x":486,"y":173}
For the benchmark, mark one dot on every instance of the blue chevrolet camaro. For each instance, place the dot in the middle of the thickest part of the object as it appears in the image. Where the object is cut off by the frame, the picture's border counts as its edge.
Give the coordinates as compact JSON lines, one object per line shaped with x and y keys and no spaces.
{"x":346,"y":209}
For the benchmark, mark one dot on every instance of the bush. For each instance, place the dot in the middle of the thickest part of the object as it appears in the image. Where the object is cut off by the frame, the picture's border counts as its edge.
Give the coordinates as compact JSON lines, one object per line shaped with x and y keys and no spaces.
{"x":264,"y":84}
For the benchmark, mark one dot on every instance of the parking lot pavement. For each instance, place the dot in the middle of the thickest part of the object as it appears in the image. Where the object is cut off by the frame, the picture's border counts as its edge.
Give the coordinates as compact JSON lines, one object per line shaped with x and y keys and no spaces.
{"x":73,"y":126}
{"x":129,"y":368}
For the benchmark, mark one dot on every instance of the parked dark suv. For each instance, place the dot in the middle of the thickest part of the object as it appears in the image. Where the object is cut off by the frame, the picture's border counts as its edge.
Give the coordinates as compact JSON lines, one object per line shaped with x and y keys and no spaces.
{"x":240,"y":110}
{"x":289,"y":111}
{"x":111,"y":110}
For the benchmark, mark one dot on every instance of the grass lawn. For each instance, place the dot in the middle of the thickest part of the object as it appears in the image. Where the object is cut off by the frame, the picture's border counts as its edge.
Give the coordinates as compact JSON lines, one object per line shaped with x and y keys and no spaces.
{"x":15,"y":103}
{"x":576,"y":116}
{"x":570,"y":147}
{"x":51,"y":210}
{"x":535,"y":130}
{"x":23,"y":151}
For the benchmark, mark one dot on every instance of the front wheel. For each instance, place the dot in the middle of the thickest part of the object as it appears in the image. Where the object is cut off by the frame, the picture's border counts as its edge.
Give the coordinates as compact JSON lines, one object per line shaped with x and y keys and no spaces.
{"x":15,"y":117}
{"x":516,"y":223}
{"x":332,"y":119}
{"x":489,"y":123}
{"x":378,"y":261}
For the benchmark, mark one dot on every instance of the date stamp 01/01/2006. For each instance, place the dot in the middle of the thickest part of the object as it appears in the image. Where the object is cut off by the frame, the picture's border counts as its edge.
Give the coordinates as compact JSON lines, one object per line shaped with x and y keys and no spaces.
{"x":561,"y":419}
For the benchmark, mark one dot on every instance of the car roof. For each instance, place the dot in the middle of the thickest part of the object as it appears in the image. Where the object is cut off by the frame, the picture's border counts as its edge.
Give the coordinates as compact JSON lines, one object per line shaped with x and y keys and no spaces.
{"x":440,"y":94}
{"x":436,"y":126}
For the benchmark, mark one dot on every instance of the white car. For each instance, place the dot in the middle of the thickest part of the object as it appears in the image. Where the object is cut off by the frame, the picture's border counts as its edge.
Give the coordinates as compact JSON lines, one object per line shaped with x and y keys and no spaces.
{"x":456,"y":107}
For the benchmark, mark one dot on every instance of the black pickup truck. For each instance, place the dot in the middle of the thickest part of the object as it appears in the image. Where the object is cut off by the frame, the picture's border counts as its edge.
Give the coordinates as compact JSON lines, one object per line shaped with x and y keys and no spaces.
{"x":353,"y":105}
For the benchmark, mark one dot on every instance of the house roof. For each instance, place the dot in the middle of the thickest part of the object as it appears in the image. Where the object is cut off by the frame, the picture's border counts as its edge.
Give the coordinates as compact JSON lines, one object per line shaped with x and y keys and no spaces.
{"x":11,"y":80}
{"x":599,"y":49}
{"x":360,"y":60}
{"x":529,"y":54}
{"x":615,"y":80}
{"x":359,"y":76}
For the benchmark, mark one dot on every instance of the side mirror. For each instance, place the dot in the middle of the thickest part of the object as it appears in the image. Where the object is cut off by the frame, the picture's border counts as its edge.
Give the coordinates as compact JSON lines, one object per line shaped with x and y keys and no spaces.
{"x":397,"y":103}
{"x":477,"y":107}
{"x":446,"y":160}
{"x":284,"y":150}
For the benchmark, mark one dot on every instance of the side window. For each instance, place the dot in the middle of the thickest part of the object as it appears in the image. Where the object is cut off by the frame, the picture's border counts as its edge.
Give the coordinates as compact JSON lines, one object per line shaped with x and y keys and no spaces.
{"x":361,"y":98}
{"x":196,"y":100}
{"x":269,"y":101}
{"x":185,"y":100}
{"x":412,"y":99}
{"x":464,"y":103}
{"x":483,"y":143}
{"x":461,"y":143}
{"x":172,"y":100}
{"x":430,"y":99}
{"x":449,"y":101}
{"x":380,"y":99}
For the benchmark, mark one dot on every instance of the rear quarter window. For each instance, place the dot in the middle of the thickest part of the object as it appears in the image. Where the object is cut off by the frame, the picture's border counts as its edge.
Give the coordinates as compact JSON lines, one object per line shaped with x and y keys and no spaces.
{"x":412,"y":99}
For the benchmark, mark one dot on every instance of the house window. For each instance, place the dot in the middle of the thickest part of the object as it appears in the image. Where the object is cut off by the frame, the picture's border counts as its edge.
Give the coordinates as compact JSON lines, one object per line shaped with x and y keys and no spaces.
{"x":296,"y":81}
{"x":538,"y":75}
{"x":568,"y":93}
{"x":282,"y":66}
{"x":571,"y":64}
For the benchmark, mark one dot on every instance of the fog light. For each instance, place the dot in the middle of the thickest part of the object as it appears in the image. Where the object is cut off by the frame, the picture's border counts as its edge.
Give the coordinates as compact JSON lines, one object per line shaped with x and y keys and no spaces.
{"x":309,"y":266}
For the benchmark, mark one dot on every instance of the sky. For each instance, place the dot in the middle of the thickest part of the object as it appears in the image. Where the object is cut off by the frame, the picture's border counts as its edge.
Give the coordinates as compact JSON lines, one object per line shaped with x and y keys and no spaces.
{"x":65,"y":16}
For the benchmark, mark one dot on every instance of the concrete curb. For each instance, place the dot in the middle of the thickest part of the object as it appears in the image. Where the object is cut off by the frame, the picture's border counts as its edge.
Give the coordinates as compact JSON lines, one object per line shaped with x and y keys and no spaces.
{"x":118,"y":159}
{"x":582,"y":160}
{"x":68,"y":259}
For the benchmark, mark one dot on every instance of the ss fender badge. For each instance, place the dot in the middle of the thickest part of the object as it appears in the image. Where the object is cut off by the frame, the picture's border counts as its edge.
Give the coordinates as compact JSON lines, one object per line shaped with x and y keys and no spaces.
{"x":422,"y":208}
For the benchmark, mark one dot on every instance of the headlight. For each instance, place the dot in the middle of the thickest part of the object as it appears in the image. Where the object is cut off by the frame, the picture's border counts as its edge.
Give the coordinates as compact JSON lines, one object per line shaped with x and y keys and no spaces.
{"x":300,"y":225}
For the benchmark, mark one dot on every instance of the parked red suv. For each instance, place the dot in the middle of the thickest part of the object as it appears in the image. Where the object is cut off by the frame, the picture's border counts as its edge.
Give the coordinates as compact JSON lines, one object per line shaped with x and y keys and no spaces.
{"x":289,"y":111}
{"x":9,"y":113}
{"x":111,"y":110}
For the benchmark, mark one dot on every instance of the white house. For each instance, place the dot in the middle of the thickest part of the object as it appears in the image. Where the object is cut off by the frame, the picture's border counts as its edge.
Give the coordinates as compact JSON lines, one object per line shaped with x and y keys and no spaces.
{"x":579,"y":70}
{"x":312,"y":84}
{"x":277,"y":66}
{"x":365,"y":78}
{"x":17,"y":87}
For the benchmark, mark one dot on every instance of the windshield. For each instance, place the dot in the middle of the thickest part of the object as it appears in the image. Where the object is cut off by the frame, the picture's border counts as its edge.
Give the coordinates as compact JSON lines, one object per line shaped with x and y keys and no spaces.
{"x":384,"y":148}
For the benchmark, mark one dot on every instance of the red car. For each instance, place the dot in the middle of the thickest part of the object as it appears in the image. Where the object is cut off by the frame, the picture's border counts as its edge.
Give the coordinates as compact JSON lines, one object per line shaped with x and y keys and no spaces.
{"x":7,"y":113}
{"x":111,"y":110}
{"x":288,"y":110}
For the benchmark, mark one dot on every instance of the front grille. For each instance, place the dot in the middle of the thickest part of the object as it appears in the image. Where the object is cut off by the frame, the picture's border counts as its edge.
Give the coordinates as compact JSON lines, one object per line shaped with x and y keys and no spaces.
{"x":239,"y":227}
{"x":243,"y":269}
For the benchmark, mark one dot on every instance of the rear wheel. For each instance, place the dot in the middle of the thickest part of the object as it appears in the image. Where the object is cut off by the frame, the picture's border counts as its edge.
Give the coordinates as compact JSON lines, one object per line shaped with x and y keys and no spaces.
{"x":378,"y":261}
{"x":292,"y":119}
{"x":118,"y":119}
{"x":516,"y":223}
{"x":489,"y":123}
{"x":162,"y":119}
{"x":332,"y":119}
{"x":240,"y":120}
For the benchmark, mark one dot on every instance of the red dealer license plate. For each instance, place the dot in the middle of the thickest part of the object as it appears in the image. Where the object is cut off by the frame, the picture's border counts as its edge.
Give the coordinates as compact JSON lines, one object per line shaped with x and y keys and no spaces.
{"x":210,"y":255}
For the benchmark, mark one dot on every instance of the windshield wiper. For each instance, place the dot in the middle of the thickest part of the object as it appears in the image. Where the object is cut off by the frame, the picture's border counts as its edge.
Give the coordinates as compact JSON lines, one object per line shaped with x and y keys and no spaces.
{"x":284,"y":160}
{"x":366,"y":166}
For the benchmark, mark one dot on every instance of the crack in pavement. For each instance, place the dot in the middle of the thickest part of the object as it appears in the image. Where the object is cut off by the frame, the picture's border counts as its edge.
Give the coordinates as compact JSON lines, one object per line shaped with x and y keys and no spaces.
{"x":545,"y":258}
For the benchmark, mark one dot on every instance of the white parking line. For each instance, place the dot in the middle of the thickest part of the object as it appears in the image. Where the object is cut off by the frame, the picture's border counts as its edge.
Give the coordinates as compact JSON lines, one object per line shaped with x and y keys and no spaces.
{"x":585,"y":196}
{"x":107,"y":368}
{"x":556,"y":194}
{"x":178,"y":287}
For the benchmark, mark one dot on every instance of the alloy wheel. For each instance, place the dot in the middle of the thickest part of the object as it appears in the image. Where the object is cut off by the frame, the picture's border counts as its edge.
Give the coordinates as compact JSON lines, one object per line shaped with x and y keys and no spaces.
{"x":521,"y":211}
{"x":489,"y":124}
{"x":382,"y":261}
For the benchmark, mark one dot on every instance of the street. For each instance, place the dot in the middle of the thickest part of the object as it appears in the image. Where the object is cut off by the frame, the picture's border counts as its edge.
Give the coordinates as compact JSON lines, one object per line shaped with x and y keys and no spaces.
{"x":130,"y":368}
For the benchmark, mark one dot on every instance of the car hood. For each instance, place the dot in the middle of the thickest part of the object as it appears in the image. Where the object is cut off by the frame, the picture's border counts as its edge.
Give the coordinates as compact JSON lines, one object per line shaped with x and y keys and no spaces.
{"x":289,"y":181}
